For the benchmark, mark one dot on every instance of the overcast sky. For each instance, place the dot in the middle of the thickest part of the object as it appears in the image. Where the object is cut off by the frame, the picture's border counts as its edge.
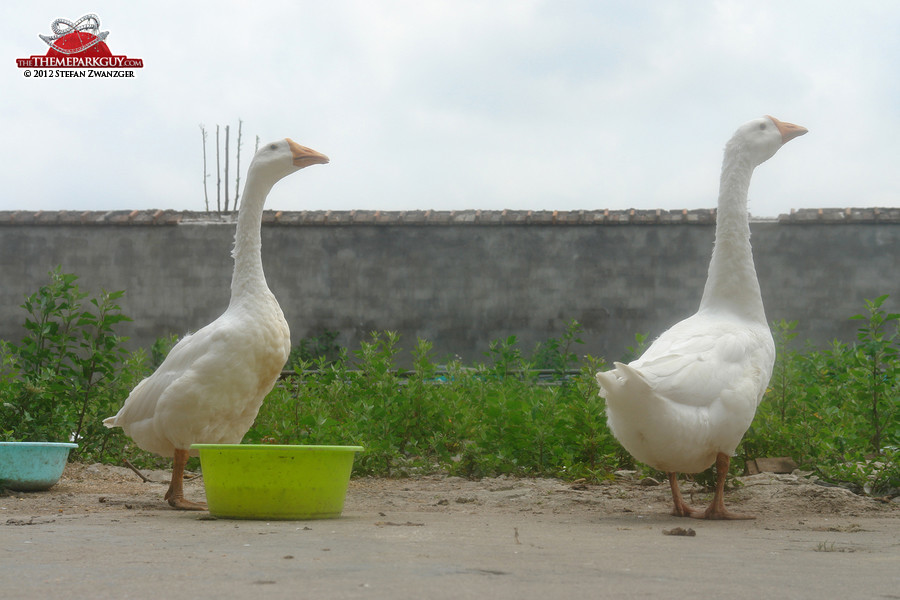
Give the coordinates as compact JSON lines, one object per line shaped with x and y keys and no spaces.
{"x":486,"y":104}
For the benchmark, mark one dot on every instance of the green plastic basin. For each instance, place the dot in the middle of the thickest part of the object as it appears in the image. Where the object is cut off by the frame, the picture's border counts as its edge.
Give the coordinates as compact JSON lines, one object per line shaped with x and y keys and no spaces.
{"x":263,"y":481}
{"x":32,"y":466}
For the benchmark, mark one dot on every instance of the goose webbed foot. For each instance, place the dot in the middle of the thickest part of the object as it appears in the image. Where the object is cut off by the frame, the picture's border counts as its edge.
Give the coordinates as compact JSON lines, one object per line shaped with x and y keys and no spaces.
{"x":175,"y":494}
{"x":181,"y":503}
{"x":720,"y":514}
{"x":716,"y":510}
{"x":681,"y":508}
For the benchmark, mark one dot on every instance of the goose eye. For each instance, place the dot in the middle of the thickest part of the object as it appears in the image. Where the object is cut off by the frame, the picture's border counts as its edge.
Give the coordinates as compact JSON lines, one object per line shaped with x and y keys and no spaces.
{"x":762,"y":126}
{"x":273,"y":146}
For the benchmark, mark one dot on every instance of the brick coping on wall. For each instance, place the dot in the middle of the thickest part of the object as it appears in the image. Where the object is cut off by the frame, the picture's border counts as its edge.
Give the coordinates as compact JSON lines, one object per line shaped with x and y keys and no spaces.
{"x":441,"y":217}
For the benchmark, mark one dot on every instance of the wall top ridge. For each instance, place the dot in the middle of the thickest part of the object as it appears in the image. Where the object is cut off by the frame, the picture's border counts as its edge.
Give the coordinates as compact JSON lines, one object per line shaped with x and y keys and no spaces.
{"x":704,"y":216}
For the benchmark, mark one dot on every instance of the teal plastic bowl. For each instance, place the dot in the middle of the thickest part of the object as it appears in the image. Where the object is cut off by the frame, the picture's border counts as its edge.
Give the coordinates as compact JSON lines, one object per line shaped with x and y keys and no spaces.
{"x":32,"y":466}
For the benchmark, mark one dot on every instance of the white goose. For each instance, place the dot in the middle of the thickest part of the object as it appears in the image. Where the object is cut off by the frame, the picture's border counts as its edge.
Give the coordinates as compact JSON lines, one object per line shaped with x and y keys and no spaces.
{"x":212,"y":383}
{"x":687,"y":402}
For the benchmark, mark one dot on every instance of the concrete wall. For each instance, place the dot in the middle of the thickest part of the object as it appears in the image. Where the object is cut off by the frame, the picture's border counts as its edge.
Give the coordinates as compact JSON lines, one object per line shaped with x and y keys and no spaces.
{"x":459,"y":280}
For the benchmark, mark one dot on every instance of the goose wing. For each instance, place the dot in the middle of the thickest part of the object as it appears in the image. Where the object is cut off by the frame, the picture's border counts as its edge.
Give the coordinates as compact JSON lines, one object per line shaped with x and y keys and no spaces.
{"x":141,"y":404}
{"x":696,"y":365}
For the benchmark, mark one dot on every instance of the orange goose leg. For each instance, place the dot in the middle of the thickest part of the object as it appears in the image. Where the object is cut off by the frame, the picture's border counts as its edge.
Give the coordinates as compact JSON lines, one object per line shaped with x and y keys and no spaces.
{"x":681,"y":508}
{"x":175,"y":494}
{"x":717,"y":508}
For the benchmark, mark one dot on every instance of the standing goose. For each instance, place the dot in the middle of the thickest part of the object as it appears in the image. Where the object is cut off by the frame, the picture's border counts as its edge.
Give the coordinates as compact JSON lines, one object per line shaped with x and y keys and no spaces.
{"x":211,"y":385}
{"x":687,"y":402}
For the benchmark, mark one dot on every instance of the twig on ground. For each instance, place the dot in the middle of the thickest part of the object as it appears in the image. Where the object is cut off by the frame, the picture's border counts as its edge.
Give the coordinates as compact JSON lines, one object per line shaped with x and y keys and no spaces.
{"x":133,"y":468}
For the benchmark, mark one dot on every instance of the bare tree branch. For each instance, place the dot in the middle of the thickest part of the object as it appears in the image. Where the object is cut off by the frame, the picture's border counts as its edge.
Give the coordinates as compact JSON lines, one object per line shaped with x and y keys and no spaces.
{"x":223,"y":174}
{"x":218,"y":176}
{"x":226,"y":167}
{"x":237,"y":183}
{"x":205,"y":174}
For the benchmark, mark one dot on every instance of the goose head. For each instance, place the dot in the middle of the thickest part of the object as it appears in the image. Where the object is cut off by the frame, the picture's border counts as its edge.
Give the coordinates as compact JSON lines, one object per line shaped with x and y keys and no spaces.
{"x":276,"y":160}
{"x":761,"y":138}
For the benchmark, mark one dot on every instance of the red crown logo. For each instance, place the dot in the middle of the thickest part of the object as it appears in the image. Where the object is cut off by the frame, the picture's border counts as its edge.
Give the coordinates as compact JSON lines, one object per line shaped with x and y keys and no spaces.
{"x":83,"y":37}
{"x":79,"y":45}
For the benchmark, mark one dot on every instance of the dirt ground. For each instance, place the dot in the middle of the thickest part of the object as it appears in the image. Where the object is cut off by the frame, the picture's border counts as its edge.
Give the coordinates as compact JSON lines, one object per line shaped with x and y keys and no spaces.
{"x":103,"y":532}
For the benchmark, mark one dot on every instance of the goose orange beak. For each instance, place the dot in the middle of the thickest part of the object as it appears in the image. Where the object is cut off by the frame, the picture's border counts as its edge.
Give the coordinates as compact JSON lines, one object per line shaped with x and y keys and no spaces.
{"x":303,"y":156}
{"x":788,"y":130}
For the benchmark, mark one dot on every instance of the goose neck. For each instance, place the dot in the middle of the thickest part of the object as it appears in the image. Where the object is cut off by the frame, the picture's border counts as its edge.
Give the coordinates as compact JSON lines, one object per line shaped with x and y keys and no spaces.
{"x":248,"y":277}
{"x":732,"y":284}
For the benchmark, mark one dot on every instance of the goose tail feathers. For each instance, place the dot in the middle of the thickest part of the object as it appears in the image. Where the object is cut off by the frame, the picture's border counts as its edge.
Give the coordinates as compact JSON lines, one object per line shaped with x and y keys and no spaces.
{"x":622,"y":379}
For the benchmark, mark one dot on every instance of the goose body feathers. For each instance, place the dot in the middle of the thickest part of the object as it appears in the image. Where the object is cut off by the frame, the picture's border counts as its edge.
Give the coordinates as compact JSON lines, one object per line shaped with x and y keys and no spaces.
{"x":692,"y":395}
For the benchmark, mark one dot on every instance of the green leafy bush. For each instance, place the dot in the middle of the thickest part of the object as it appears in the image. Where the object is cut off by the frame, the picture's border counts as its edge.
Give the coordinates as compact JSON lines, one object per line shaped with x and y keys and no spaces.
{"x":836,"y":411}
{"x":62,"y":377}
{"x":311,"y":348}
{"x":501,"y":416}
{"x":537,"y":413}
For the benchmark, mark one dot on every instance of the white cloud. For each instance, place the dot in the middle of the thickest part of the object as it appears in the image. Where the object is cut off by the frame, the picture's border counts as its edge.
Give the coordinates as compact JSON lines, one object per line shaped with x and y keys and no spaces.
{"x":540,"y":105}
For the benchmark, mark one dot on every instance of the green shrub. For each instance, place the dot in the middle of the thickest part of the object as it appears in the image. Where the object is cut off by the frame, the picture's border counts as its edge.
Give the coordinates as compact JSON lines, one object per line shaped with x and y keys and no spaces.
{"x":537,"y":413}
{"x":314,"y":347}
{"x":62,"y":378}
{"x":836,"y":411}
{"x":504,"y":416}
